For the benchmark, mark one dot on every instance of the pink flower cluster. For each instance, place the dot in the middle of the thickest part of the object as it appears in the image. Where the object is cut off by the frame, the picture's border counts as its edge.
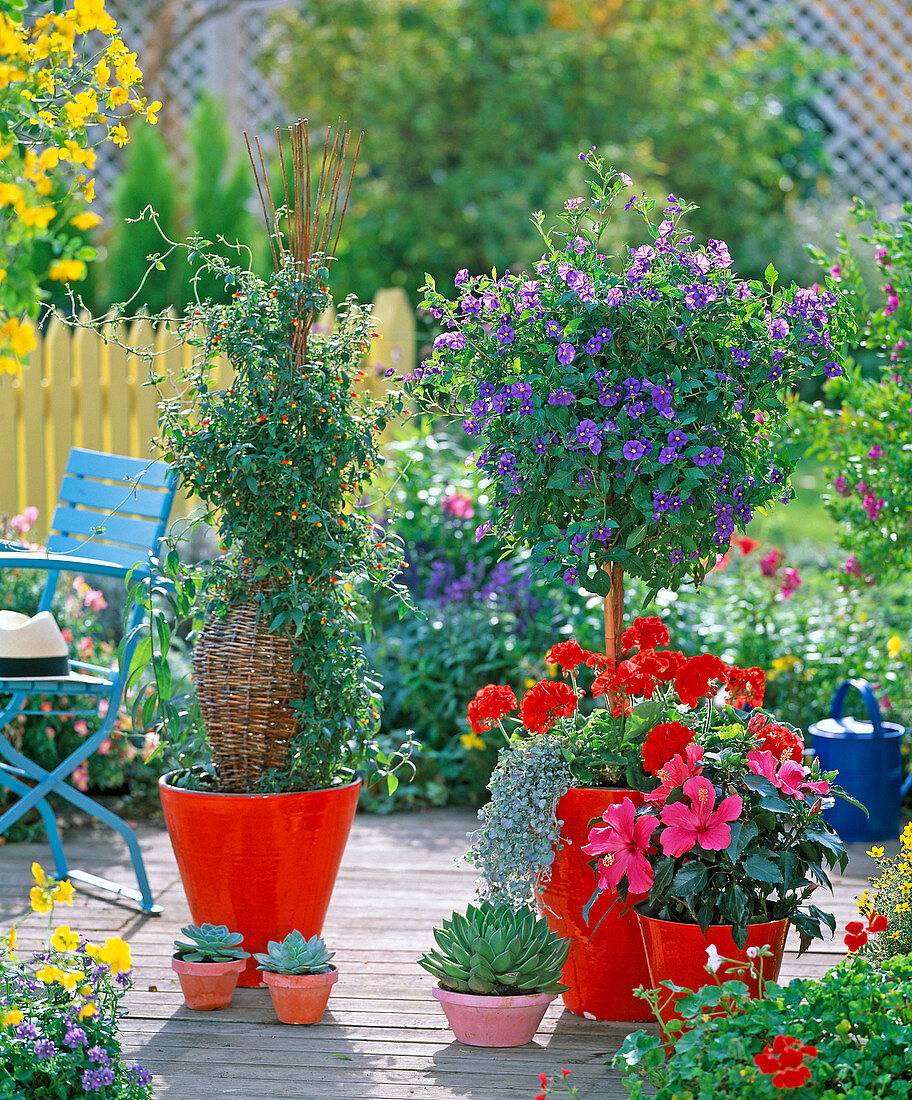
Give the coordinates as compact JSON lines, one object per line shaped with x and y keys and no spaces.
{"x":23,"y":523}
{"x":458,"y":504}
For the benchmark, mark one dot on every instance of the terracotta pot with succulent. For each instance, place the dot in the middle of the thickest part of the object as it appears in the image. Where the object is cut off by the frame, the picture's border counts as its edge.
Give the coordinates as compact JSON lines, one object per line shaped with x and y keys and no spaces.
{"x":300,"y":977}
{"x":208,"y":967}
{"x":498,"y":970}
{"x":627,"y":410}
{"x":271,"y":750}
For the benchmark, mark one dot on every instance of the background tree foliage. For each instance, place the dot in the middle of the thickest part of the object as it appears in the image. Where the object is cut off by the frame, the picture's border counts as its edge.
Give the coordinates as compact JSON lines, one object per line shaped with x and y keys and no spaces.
{"x":474,"y":111}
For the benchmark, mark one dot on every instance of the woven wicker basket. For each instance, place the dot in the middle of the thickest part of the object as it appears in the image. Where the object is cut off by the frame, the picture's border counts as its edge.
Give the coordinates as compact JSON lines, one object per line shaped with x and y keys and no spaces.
{"x":245,"y":683}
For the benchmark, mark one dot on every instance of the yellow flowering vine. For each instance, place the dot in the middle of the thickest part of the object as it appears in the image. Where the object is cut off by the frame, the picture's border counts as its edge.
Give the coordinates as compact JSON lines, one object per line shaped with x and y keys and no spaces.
{"x":67,"y":84}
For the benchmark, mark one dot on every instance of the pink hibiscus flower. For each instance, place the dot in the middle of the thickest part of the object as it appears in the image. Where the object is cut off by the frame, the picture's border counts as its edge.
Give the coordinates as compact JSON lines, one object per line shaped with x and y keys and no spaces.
{"x":700,"y":823}
{"x":623,"y":846}
{"x":676,"y":772}
{"x":788,"y":776}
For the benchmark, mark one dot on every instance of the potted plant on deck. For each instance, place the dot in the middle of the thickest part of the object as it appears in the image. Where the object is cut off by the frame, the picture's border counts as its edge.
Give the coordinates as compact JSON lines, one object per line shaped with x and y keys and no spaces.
{"x":272,"y":757}
{"x":627,"y":410}
{"x":498,"y":970}
{"x":208,"y":967}
{"x":300,"y":977}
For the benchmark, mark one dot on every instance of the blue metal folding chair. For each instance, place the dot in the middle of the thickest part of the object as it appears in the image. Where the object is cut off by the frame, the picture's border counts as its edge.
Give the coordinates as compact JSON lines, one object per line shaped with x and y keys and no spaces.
{"x":111,"y":514}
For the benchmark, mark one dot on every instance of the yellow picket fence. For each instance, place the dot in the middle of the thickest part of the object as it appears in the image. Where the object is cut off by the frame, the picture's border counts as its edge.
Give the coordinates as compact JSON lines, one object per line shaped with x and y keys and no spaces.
{"x":83,"y":390}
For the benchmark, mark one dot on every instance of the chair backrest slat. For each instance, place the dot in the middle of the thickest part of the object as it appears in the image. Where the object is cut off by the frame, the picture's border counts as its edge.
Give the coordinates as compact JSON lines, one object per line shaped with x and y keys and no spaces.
{"x":108,"y":467}
{"x":113,"y":527}
{"x":123,"y":499}
{"x":127,"y":498}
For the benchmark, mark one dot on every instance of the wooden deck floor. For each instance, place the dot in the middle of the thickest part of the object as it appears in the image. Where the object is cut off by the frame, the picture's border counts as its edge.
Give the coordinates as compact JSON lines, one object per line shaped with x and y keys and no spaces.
{"x":384,"y":1037}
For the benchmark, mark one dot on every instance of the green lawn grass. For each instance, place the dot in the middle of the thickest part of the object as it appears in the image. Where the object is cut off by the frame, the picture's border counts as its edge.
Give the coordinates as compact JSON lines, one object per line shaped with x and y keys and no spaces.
{"x":803,"y":522}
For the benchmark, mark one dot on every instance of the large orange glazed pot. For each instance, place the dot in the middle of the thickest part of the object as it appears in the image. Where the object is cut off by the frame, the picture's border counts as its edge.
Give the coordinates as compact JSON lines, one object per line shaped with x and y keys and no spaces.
{"x":262,"y":864}
{"x":606,"y":962}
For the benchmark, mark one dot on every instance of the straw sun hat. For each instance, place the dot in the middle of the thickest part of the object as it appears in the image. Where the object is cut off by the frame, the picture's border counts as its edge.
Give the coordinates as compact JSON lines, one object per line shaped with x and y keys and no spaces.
{"x":32,"y":648}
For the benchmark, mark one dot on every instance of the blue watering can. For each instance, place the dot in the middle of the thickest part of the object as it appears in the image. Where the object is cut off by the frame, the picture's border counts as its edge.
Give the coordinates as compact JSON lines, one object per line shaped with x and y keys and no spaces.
{"x":868,"y":757}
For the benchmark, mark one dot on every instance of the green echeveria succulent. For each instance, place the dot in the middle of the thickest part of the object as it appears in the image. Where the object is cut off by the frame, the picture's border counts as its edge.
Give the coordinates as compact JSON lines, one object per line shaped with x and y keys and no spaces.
{"x":211,"y":943}
{"x":497,"y":950}
{"x":295,"y":955}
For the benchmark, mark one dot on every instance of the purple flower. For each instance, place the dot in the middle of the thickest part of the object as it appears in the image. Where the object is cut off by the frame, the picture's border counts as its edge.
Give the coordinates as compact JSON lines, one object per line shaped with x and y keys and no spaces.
{"x":841,"y":485}
{"x":613,"y":297}
{"x":719,"y":252}
{"x":775,"y":476}
{"x":716,"y":456}
{"x":97,"y":1054}
{"x":636,"y":409}
{"x":665,"y":228}
{"x":565,"y":353}
{"x":506,"y":334}
{"x":506,"y":463}
{"x":744,"y":513}
{"x":540,"y":446}
{"x":677,"y":438}
{"x":481,"y":531}
{"x":779,"y":329}
{"x":140,"y":1075}
{"x":602,"y":533}
{"x":832,"y":370}
{"x":634,"y":449}
{"x":521,"y":390}
{"x":570,"y":576}
{"x":27,"y":1030}
{"x":499,"y":403}
{"x":74,"y":1036}
{"x":667,"y":454}
{"x":876,"y":452}
{"x":553,"y":329}
{"x":44,"y":1048}
{"x":587,"y":433}
{"x":471,"y":427}
{"x":577,"y":543}
{"x":742,"y":358}
{"x":675,"y":556}
{"x":526,"y":408}
{"x":604,"y":334}
{"x":659,"y":502}
{"x":593,"y":346}
{"x":672,"y":205}
{"x":486,"y":391}
{"x":93,"y":1080}
{"x":774,"y":373}
{"x":704,"y":458}
{"x":561,"y":397}
{"x":462,"y":276}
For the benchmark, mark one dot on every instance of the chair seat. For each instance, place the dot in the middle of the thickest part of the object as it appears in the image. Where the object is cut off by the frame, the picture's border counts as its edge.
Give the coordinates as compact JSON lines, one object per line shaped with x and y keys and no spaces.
{"x":75,"y":685}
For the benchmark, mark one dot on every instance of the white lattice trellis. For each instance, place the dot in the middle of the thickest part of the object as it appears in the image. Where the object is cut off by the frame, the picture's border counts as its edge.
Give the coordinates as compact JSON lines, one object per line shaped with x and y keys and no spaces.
{"x":186,"y":46}
{"x":866,"y":107}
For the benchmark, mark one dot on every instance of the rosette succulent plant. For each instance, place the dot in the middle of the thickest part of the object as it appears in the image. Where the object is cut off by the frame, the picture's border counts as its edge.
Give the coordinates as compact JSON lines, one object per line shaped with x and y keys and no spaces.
{"x":495,"y":950}
{"x":210,"y":943}
{"x":295,"y":955}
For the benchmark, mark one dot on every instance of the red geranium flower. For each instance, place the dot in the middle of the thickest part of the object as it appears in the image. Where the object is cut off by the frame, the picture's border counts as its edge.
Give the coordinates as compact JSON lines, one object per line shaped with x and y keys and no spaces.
{"x":569,"y":655}
{"x":696,"y":676}
{"x":746,"y":545}
{"x":856,"y":936}
{"x":785,"y":1061}
{"x":877,"y":922}
{"x":661,"y":666}
{"x":663,"y":742}
{"x":632,"y":680}
{"x":782,"y":742}
{"x":746,"y":686}
{"x":646,"y":633}
{"x":490,"y":704}
{"x":543,"y":704}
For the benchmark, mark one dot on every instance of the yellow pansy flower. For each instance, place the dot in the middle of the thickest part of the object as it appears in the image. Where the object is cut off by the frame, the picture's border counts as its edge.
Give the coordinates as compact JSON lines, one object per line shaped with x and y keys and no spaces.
{"x":38,"y":874}
{"x":10,"y":939}
{"x":67,"y":271}
{"x":88,"y":1009}
{"x":471,"y":740}
{"x":48,"y":974}
{"x":72,"y":978}
{"x":64,"y":939}
{"x":93,"y":951}
{"x":11,"y":1018}
{"x":41,"y":903}
{"x":116,"y":955}
{"x":64,"y":891}
{"x":86,"y":220}
{"x":895,"y":645}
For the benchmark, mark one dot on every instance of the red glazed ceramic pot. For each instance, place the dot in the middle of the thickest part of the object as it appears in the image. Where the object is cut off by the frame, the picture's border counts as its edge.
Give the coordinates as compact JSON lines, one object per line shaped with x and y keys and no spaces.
{"x":208,"y":985}
{"x":606,"y":962}
{"x":262,"y":864}
{"x":480,"y":1021}
{"x":677,"y":953}
{"x":300,"y":998}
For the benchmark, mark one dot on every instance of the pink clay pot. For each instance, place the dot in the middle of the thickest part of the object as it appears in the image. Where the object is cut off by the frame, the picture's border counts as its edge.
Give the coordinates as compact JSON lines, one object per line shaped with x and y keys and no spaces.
{"x":208,"y":985}
{"x":300,"y":998}
{"x":494,"y":1021}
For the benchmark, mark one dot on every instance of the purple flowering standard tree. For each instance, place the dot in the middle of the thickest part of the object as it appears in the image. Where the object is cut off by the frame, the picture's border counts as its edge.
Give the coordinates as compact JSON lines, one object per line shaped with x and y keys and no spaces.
{"x":627,"y":407}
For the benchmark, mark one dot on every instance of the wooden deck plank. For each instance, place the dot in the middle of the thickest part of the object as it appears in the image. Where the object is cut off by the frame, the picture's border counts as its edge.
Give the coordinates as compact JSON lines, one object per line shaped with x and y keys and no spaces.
{"x":384,"y":1037}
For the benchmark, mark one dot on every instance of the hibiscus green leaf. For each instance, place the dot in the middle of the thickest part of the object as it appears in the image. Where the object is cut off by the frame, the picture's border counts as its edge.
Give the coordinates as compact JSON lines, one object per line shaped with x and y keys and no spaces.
{"x":691,"y":879}
{"x":664,"y":872}
{"x":764,"y":870}
{"x":742,"y":833}
{"x":775,"y":804}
